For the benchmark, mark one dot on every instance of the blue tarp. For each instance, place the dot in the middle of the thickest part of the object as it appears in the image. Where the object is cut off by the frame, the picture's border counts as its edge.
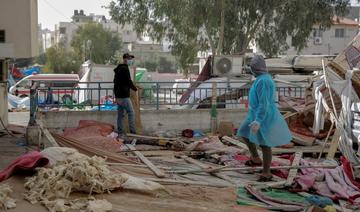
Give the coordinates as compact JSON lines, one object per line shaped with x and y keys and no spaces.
{"x":30,"y":71}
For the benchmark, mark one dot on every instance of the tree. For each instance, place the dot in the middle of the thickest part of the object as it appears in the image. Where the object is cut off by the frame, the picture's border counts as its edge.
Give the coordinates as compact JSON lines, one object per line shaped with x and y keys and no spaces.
{"x":227,"y":26}
{"x":41,"y":59}
{"x":99,"y":44}
{"x":61,"y":61}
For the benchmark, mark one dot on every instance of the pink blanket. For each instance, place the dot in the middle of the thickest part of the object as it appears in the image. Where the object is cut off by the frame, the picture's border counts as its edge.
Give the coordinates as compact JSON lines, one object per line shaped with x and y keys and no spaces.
{"x":333,"y":183}
{"x":27,"y":162}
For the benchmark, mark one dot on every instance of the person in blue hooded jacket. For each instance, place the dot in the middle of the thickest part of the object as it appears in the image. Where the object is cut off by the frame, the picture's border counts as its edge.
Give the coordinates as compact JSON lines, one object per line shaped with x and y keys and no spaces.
{"x":264,"y":124}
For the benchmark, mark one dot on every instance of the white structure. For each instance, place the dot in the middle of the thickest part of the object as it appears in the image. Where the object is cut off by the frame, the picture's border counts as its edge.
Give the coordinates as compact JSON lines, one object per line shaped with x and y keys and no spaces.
{"x":329,"y":41}
{"x":19,"y":26}
{"x":46,"y":39}
{"x":18,"y":40}
{"x":65,"y":31}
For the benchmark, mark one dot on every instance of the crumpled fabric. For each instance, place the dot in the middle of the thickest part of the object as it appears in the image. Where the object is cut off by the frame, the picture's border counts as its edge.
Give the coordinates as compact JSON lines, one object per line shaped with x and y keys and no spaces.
{"x":27,"y":162}
{"x":332,"y":183}
{"x":96,"y":134}
{"x":348,"y":171}
{"x":210,"y":143}
{"x":276,"y":202}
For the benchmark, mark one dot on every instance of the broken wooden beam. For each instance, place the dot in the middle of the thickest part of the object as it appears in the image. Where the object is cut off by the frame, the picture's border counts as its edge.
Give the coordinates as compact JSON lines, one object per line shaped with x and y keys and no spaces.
{"x":187,"y":182}
{"x":47,"y":134}
{"x":223,"y":169}
{"x":302,"y":139}
{"x":293,"y":172}
{"x":149,"y":137}
{"x":147,"y":162}
{"x":334,"y":144}
{"x":208,"y":167}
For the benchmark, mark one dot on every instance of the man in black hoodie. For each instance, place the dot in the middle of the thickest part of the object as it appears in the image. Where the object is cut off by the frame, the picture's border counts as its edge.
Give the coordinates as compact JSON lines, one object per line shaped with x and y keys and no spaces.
{"x":122,"y":86}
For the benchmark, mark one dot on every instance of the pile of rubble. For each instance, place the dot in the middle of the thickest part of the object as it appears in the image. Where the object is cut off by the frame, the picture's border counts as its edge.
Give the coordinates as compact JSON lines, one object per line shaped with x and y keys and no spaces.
{"x":72,"y":172}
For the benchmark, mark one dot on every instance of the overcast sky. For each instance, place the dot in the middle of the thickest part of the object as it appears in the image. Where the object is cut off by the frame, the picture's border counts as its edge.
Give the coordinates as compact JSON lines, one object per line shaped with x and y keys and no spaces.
{"x":51,"y":12}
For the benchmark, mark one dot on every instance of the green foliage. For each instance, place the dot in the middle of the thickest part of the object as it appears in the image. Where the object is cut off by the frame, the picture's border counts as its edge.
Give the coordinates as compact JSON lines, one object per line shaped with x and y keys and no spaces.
{"x":61,"y":61}
{"x":41,"y":59}
{"x":104,"y":46}
{"x":227,"y":26}
{"x":116,"y":58}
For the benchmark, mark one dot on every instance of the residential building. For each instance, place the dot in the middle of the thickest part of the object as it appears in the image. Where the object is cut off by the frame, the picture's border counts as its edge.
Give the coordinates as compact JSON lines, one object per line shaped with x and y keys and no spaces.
{"x":146,"y":50}
{"x":65,"y":31}
{"x":19,"y":26}
{"x":46,"y":39}
{"x":354,"y":10}
{"x":18,"y":40}
{"x":329,"y":41}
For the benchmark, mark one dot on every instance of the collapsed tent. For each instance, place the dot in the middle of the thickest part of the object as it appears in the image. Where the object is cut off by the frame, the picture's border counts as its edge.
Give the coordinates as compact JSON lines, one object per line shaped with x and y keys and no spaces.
{"x":341,"y":80}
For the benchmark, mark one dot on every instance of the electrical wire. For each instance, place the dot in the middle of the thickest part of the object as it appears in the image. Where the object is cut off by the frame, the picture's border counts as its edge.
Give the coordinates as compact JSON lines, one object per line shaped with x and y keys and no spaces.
{"x":5,"y":128}
{"x":60,"y":13}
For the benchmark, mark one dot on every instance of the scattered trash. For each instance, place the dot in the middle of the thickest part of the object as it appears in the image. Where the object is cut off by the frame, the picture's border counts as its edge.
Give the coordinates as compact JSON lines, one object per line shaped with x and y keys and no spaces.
{"x":6,"y":202}
{"x":188,"y":133}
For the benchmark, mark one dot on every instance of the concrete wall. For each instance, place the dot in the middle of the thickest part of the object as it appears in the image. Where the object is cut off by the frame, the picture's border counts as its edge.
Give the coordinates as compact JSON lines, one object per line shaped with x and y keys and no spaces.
{"x":3,"y":104}
{"x":152,"y":120}
{"x":3,"y":93}
{"x":19,"y":19}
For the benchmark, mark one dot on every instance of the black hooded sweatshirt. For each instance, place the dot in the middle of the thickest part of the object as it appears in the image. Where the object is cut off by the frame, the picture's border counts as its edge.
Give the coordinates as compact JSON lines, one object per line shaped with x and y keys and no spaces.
{"x":123,"y":82}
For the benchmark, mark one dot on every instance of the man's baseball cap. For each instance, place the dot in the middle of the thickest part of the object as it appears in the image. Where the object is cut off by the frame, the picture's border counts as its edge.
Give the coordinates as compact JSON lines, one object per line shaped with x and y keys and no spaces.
{"x":128,"y":56}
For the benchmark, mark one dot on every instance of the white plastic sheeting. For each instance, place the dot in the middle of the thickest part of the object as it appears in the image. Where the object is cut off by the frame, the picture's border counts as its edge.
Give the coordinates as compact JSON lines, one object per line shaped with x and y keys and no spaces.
{"x":17,"y":102}
{"x":343,"y":121}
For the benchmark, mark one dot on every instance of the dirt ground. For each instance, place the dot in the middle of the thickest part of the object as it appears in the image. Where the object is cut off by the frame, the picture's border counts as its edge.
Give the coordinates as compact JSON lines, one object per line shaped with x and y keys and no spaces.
{"x":180,"y":198}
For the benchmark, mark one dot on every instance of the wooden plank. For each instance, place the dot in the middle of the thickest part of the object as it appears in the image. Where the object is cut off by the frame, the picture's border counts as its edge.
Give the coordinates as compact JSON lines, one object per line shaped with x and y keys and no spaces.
{"x":252,"y":169}
{"x":302,"y":140}
{"x":148,"y":163}
{"x":334,"y":145}
{"x":47,"y":134}
{"x":135,"y":99}
{"x":293,"y":172}
{"x":289,"y":114}
{"x":327,"y":138}
{"x":208,"y":167}
{"x":187,"y":182}
{"x":149,"y":137}
{"x":235,"y":142}
{"x":304,"y":149}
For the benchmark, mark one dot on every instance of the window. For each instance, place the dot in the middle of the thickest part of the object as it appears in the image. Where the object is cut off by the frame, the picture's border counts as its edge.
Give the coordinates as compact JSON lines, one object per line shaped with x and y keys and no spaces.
{"x":317,"y":33}
{"x":24,"y":84}
{"x":2,"y":36}
{"x":339,"y":33}
{"x":2,"y":74}
{"x":62,"y":30}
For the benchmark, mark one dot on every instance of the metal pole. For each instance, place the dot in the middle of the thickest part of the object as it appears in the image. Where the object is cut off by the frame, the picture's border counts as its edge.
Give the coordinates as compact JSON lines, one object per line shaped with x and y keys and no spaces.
{"x":33,"y":102}
{"x":99,"y":96}
{"x":157,"y":95}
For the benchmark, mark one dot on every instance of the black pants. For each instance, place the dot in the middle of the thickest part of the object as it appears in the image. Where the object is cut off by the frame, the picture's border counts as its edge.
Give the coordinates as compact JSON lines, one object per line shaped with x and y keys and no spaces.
{"x":267,"y":155}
